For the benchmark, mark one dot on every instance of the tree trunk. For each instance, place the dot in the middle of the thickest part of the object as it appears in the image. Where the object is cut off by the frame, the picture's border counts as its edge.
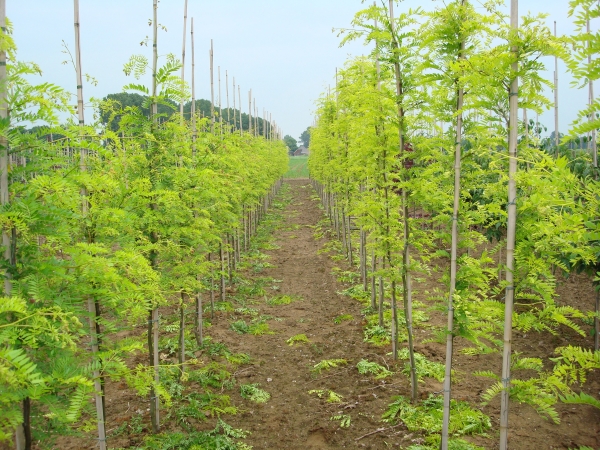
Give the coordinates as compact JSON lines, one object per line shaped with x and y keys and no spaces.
{"x":453,"y":253}
{"x":406,"y":277}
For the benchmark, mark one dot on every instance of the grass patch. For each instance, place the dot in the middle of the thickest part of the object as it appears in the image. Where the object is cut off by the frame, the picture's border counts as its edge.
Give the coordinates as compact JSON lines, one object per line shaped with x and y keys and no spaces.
{"x":342,"y":318}
{"x":298,"y":167}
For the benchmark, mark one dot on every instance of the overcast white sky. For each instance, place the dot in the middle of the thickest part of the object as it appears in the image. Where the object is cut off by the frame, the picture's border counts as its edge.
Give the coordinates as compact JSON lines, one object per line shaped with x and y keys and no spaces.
{"x":284,"y":50}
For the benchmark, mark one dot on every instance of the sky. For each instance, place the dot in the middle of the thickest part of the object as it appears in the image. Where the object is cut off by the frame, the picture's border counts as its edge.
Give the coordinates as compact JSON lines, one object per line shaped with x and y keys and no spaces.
{"x":284,"y":50}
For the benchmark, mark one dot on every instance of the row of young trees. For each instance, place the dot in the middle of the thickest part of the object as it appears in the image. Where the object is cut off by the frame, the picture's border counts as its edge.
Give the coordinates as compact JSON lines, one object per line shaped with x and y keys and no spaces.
{"x":106,"y":224}
{"x":417,"y":146}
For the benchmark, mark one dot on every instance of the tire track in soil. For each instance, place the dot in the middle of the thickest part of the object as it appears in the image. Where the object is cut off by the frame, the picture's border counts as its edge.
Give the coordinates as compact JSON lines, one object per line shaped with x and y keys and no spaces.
{"x":293,"y":419}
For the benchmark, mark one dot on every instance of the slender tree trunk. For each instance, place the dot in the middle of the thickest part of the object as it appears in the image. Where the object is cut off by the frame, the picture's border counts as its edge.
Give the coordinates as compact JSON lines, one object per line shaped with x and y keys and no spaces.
{"x":453,"y":253}
{"x":510,"y":235}
{"x":406,"y":276}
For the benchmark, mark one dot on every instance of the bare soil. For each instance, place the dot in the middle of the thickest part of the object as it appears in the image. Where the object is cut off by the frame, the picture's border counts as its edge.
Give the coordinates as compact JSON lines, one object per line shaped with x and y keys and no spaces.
{"x":294,"y":419}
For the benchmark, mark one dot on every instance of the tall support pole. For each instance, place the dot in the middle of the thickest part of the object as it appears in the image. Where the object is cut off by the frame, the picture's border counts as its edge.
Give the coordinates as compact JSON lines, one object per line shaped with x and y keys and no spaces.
{"x":153,"y":318}
{"x":510,"y":232}
{"x":556,"y":138}
{"x":183,"y":55}
{"x":240,"y":103}
{"x":227,"y":94}
{"x":234,"y":112}
{"x":219,"y":101}
{"x":250,"y":111}
{"x":92,"y":310}
{"x":193,"y":106}
{"x":198,"y":316}
{"x":212,"y":90}
{"x":453,"y":252}
{"x":591,"y":119}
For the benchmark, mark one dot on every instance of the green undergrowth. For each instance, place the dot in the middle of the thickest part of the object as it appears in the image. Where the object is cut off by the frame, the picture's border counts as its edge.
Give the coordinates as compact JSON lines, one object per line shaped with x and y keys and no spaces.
{"x":222,"y":437}
{"x":426,"y":418}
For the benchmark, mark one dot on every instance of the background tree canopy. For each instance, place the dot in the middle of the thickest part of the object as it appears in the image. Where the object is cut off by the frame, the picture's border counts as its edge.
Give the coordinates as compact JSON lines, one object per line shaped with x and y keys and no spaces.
{"x":291,"y":143}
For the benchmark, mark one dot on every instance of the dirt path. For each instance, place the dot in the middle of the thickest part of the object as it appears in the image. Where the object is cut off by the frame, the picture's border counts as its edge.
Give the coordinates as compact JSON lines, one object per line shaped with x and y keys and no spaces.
{"x":293,"y":418}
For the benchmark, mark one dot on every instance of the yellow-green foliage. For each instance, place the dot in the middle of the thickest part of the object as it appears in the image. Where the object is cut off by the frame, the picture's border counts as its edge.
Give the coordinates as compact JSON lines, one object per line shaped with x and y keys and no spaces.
{"x":298,"y":339}
{"x":327,"y":364}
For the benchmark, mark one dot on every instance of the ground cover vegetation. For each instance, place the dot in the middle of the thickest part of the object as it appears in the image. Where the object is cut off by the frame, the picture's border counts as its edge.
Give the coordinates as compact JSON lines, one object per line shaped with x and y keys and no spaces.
{"x":413,"y":153}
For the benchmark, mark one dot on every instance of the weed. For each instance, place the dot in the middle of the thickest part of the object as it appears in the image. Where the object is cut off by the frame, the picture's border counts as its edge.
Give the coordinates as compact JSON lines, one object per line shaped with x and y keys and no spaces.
{"x":357,"y":292}
{"x":427,"y":416}
{"x":327,"y":364}
{"x":253,"y":393}
{"x":281,"y":300}
{"x":237,"y":358}
{"x":258,"y":329}
{"x":425,"y":368}
{"x":213,"y":374}
{"x":380,"y":372}
{"x":247,"y":312}
{"x":240,"y":326}
{"x":341,"y":318}
{"x":223,"y":437}
{"x":297,"y":339}
{"x":343,"y":418}
{"x":331,"y":396}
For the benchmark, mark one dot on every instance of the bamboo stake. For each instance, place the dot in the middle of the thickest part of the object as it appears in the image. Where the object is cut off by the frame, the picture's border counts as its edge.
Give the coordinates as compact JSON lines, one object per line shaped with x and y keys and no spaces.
{"x":193,"y":106}
{"x":591,"y":119}
{"x":153,"y":318}
{"x":212,"y":91}
{"x":556,"y":140}
{"x":220,"y":109}
{"x":234,"y":113}
{"x":183,"y":56}
{"x":241,"y":123}
{"x":227,"y":93}
{"x":250,"y":111}
{"x":510,"y":234}
{"x":453,"y":254}
{"x":182,"y":294}
{"x":198,"y":304}
{"x":92,"y":306}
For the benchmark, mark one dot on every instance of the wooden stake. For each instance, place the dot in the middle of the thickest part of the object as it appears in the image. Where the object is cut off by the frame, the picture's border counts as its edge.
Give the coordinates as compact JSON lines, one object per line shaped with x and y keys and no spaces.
{"x":591,"y":119}
{"x":510,"y":234}
{"x":227,"y":93}
{"x":240,"y":103}
{"x":153,"y":316}
{"x":193,"y":106}
{"x":556,"y":139}
{"x":183,"y":55}
{"x":234,"y":112}
{"x":212,"y":91}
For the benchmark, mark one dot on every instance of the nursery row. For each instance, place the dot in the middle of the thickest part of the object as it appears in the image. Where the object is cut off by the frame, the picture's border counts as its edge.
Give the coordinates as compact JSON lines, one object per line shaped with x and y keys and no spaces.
{"x":415,"y":150}
{"x":102,"y":225}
